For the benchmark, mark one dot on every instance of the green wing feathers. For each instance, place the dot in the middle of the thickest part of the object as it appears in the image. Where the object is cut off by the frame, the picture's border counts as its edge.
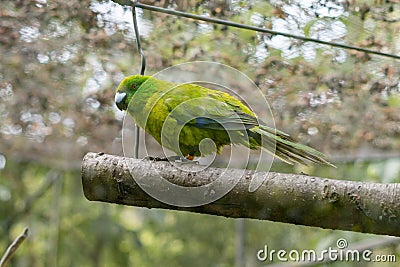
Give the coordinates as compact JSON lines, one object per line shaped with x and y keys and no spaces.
{"x":286,"y":149}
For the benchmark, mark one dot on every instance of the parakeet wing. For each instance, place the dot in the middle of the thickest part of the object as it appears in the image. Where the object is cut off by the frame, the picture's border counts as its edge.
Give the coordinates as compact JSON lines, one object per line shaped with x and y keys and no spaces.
{"x":208,"y":109}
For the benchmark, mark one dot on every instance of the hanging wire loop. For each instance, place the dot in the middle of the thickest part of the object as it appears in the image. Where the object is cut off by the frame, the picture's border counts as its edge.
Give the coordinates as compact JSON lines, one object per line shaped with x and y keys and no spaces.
{"x":137,"y":35}
{"x":142,"y":69}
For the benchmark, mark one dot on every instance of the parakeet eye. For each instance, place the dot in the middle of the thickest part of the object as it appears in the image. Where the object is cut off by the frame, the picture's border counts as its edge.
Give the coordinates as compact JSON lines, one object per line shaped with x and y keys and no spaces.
{"x":133,"y":86}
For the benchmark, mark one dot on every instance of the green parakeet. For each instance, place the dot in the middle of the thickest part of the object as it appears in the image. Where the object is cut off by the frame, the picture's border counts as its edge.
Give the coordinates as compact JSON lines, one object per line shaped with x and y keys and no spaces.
{"x":179,"y":117}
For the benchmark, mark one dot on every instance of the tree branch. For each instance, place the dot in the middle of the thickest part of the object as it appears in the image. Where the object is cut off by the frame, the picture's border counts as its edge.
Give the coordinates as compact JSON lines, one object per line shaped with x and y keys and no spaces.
{"x":290,"y":198}
{"x":13,"y":247}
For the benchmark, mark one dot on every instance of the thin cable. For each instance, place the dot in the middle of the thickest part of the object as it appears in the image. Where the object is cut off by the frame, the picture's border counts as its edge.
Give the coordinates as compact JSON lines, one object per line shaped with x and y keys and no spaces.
{"x":259,"y":29}
{"x":142,"y":69}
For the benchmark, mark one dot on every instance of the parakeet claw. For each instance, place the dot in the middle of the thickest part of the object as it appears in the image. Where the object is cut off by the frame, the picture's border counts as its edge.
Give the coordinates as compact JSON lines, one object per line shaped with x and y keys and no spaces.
{"x":176,"y":158}
{"x":187,"y":160}
{"x":155,"y":158}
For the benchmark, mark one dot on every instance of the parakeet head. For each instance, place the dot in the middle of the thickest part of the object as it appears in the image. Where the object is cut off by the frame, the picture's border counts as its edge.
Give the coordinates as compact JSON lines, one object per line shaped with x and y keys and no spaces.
{"x":126,"y":89}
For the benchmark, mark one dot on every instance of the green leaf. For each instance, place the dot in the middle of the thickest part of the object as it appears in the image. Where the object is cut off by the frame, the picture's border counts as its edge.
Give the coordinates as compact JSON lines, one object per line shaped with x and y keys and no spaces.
{"x":308,"y":26}
{"x":394,"y":101}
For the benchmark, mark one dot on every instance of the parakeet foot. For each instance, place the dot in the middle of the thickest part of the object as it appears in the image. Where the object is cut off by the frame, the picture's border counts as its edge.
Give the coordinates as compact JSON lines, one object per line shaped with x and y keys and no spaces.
{"x":187,"y":160}
{"x":155,"y":158}
{"x":176,"y":158}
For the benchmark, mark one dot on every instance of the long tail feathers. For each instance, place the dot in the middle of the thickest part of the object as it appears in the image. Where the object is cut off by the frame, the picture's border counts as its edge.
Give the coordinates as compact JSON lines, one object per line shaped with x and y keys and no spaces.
{"x":286,"y":149}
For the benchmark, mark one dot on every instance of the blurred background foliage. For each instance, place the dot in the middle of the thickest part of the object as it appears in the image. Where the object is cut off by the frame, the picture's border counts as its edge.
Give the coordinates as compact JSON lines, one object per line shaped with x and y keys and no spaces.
{"x":61,"y":61}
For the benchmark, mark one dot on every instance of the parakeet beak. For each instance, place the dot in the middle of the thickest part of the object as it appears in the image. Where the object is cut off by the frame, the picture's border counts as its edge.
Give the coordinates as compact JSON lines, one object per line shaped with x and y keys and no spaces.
{"x":120,"y":100}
